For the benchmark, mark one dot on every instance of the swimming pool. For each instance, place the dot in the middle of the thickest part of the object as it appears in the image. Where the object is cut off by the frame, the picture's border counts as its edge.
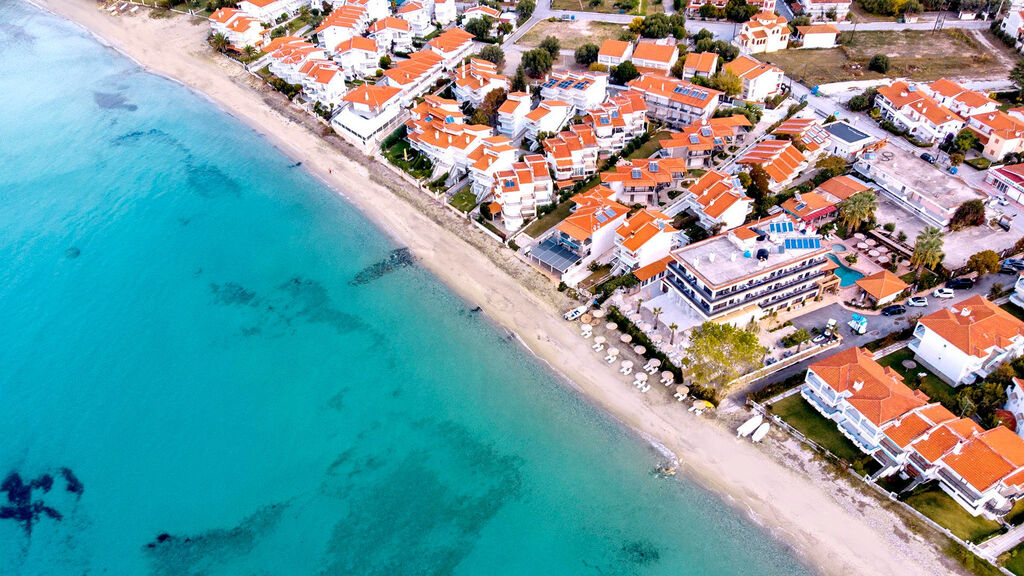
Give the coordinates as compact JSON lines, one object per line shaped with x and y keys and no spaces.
{"x":839,"y":248}
{"x":847,"y":275}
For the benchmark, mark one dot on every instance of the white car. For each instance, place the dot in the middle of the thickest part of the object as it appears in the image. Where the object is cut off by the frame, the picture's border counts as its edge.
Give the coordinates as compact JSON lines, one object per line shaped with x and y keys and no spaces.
{"x":918,"y":301}
{"x":943,"y":293}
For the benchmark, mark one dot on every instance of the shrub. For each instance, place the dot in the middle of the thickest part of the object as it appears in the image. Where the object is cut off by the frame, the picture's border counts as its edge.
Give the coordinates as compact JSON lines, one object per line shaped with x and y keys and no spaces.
{"x":879,"y":63}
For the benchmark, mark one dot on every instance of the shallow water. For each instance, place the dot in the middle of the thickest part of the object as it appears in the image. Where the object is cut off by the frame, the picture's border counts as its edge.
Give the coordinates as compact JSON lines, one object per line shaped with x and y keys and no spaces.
{"x":200,"y":380}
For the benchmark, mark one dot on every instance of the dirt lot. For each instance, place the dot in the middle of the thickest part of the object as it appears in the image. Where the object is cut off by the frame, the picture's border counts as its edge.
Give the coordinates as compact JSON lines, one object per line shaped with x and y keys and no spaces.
{"x":572,"y":36}
{"x":914,"y":54}
{"x":606,"y":6}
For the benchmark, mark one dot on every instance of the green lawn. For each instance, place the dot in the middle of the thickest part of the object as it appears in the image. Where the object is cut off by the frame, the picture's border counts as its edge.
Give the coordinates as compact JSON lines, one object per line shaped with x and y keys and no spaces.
{"x":649,"y":147}
{"x":940,"y":507}
{"x":1014,"y":560}
{"x":606,"y":6}
{"x":1013,"y":309}
{"x":1016,"y":514}
{"x":547,"y":221}
{"x":931,"y":385}
{"x":464,"y":200}
{"x":401,"y":154}
{"x":800,"y":415}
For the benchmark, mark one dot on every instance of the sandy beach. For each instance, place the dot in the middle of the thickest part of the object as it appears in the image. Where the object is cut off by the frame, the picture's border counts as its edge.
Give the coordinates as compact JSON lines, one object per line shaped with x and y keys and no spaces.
{"x":835,"y":526}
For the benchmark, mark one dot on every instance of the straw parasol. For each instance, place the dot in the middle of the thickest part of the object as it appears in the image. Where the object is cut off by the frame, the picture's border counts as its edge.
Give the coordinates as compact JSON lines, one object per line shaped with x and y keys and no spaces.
{"x":586,"y":319}
{"x":611,"y":326}
{"x":667,"y":375}
{"x":598,"y":339}
{"x":613,"y":351}
{"x":626,"y":338}
{"x":883,"y":249}
{"x":859,"y":236}
{"x":598,"y":313}
{"x":683,"y":389}
{"x":873,"y":253}
{"x":641,"y":376}
{"x":656,"y":338}
{"x":862,"y":245}
{"x":639,"y":349}
{"x":655,"y":362}
{"x":871,"y":242}
{"x":627,"y":363}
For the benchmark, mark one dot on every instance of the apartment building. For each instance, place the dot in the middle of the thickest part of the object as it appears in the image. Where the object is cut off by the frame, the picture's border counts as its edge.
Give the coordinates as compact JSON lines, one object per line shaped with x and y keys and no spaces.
{"x":618,"y":120}
{"x":703,"y":64}
{"x":341,"y":24}
{"x":826,"y":9}
{"x":268,"y":11}
{"x":760,"y":81}
{"x":657,"y":57}
{"x":414,"y":76}
{"x":369,"y":112}
{"x":239,"y":28}
{"x":359,"y":57}
{"x":522,"y":189}
{"x":512,"y":115}
{"x":475,"y":79}
{"x":779,"y":158}
{"x":391,"y":34}
{"x":961,"y":101}
{"x":807,"y":131}
{"x":643,"y":239}
{"x":495,"y":154}
{"x":916,"y":112}
{"x":583,"y":91}
{"x":452,"y":46}
{"x":645,"y":181}
{"x":718,"y":200}
{"x":614,"y":52}
{"x":572,"y":154}
{"x":437,"y":129}
{"x":999,"y":133}
{"x":547,"y":118}
{"x":699,"y":142}
{"x":677,"y":103}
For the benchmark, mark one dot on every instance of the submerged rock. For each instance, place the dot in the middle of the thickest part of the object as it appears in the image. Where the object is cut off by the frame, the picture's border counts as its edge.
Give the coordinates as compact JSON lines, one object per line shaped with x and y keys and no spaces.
{"x":398,"y":258}
{"x":72,"y":253}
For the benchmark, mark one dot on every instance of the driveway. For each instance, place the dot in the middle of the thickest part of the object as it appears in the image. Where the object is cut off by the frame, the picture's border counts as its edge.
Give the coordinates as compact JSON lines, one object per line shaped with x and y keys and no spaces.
{"x":878,"y":326}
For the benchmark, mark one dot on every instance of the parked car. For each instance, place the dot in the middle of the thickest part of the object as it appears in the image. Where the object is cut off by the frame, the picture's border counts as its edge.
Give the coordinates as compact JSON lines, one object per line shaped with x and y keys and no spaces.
{"x":918,"y":301}
{"x":1003,"y":201}
{"x":894,"y":310}
{"x":927,"y":157}
{"x":959,"y":283}
{"x":1012,"y":266}
{"x":943,"y":293}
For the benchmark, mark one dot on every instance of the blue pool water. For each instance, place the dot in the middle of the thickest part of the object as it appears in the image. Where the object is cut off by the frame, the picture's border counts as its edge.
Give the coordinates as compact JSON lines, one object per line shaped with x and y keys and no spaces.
{"x":847,"y":276}
{"x":838,"y":248}
{"x":192,"y":383}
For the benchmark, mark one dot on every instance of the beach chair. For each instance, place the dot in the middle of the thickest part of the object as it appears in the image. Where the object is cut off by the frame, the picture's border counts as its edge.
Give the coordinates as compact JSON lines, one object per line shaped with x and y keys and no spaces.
{"x":645,"y":388}
{"x":598,"y":347}
{"x":609,"y":359}
{"x":627,"y":371}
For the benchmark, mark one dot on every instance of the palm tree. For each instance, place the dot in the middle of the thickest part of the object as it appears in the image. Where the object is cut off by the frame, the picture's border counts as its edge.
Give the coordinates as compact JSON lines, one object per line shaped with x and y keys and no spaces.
{"x":657,"y":312}
{"x":639,"y":301}
{"x":672,"y":339}
{"x":927,"y":250}
{"x":250,"y":52}
{"x":857,"y":209}
{"x":219,"y":42}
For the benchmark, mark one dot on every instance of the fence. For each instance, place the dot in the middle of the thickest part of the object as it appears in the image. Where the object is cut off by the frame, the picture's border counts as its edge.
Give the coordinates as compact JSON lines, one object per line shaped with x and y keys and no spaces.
{"x":785,"y":363}
{"x":972,"y":548}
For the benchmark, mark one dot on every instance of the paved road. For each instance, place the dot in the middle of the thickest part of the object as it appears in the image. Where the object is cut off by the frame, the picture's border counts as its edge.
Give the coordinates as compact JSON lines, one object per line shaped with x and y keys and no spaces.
{"x":878,"y":326}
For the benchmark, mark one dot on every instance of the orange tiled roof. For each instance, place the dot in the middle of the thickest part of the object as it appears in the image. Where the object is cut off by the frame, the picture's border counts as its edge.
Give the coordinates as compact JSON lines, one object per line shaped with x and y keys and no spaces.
{"x":451,"y":40}
{"x":716,"y":192}
{"x":877,"y":392}
{"x":375,"y":95}
{"x":881,"y":285}
{"x":594,"y":210}
{"x":809,"y":131}
{"x":653,"y":269}
{"x":391,"y":23}
{"x":975,"y":326}
{"x":747,"y":67}
{"x":676,"y":90}
{"x":356,"y":43}
{"x":841,"y":187}
{"x":645,"y":173}
{"x":779,"y":158}
{"x":641,"y":227}
{"x":817,"y":29}
{"x":654,"y":52}
{"x":808,"y":206}
{"x":613,"y":48}
{"x":701,"y":62}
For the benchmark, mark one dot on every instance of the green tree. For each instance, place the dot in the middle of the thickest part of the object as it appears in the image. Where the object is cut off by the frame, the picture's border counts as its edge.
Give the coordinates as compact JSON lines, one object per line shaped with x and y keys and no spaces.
{"x":624,"y":72}
{"x":519,"y":80}
{"x":970,"y":213}
{"x":504,"y":28}
{"x":879,"y":63}
{"x":552,"y":45}
{"x":798,"y":338}
{"x":965,"y":140}
{"x":385,"y":62}
{"x":984,"y":262}
{"x":672,"y":336}
{"x":760,"y":182}
{"x":1017,"y":75}
{"x":587,"y":54}
{"x":739,"y":10}
{"x":727,"y":82}
{"x":537,"y":62}
{"x":492,"y":101}
{"x":479,"y":27}
{"x":927,"y":250}
{"x":703,"y":34}
{"x":956,"y":159}
{"x":250,"y":52}
{"x":219,"y":42}
{"x":857,"y":209}
{"x":656,"y":26}
{"x":719,"y":353}
{"x":494,"y":55}
{"x":524,"y":9}
{"x":479,"y":117}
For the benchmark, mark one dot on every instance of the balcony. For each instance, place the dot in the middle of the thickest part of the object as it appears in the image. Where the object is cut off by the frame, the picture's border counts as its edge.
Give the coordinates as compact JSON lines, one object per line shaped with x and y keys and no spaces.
{"x":717,"y":308}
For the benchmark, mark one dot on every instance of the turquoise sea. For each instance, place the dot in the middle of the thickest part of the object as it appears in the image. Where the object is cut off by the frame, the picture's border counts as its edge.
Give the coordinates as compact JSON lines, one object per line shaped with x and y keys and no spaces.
{"x":192,"y":383}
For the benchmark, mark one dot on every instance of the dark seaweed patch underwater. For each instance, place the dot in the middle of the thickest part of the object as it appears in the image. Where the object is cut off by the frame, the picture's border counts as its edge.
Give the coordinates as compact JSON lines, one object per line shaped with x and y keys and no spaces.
{"x":25,"y":503}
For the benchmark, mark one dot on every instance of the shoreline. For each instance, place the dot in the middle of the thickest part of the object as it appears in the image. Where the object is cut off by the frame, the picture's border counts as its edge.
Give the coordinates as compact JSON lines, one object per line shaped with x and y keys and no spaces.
{"x":828,"y":526}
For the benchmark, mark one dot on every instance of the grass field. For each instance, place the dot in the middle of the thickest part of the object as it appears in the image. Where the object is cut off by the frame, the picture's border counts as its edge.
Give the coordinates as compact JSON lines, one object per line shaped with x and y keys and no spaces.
{"x":464,"y":200}
{"x":572,"y":36}
{"x":935,"y":388}
{"x":1014,"y":560}
{"x":607,"y":6}
{"x":914,"y":54}
{"x":547,"y":221}
{"x":800,"y":415}
{"x":937,"y":505}
{"x":649,"y":147}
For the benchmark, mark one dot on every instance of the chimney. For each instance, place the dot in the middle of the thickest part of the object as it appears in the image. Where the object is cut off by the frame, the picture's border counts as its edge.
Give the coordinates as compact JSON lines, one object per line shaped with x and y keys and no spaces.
{"x":858,"y":384}
{"x":958,"y":448}
{"x":965,"y":311}
{"x":903,"y":94}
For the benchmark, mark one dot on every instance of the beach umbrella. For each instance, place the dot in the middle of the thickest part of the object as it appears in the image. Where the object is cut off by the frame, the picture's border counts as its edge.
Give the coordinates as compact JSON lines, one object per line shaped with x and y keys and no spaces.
{"x":626,"y":338}
{"x":862,"y":245}
{"x":586,"y":319}
{"x":654,"y":362}
{"x":641,"y":376}
{"x":639,"y":350}
{"x":884,"y":259}
{"x":667,"y":375}
{"x":611,"y":326}
{"x":598,"y":339}
{"x":627,"y":363}
{"x":883,"y":249}
{"x":613,"y":351}
{"x":656,"y":338}
{"x":634,"y":316}
{"x":873,"y":253}
{"x":598,"y":313}
{"x":644,"y":326}
{"x":871,"y":242}
{"x":683,"y":389}
{"x":858,"y":236}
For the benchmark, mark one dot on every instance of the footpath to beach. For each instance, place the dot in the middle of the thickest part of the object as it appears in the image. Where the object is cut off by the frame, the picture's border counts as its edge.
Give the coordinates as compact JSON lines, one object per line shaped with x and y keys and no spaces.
{"x":836,"y":527}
